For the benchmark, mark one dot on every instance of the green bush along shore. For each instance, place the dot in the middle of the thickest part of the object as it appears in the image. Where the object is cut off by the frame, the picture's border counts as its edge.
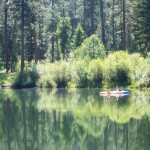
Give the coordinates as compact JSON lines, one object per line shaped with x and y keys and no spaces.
{"x":118,"y":68}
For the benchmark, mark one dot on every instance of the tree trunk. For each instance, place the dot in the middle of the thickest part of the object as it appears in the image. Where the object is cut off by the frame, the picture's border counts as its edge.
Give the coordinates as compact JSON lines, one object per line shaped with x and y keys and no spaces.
{"x":113,"y":25}
{"x":92,"y":16}
{"x":52,"y":31}
{"x":22,"y":36}
{"x":6,"y":37}
{"x":84,"y":14}
{"x":76,"y":20}
{"x":35,"y":46}
{"x":57,"y":45}
{"x":102,"y":21}
{"x":52,"y":48}
{"x":124,"y":27}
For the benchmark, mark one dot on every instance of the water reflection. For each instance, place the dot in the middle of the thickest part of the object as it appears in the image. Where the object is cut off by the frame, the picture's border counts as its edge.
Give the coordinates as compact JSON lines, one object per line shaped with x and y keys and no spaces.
{"x":73,"y":119}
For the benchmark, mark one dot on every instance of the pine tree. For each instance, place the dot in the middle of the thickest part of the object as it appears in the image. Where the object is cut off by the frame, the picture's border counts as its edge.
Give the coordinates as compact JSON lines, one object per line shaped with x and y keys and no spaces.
{"x":142,"y":24}
{"x":90,"y":21}
{"x":65,"y":31}
{"x":78,"y":37}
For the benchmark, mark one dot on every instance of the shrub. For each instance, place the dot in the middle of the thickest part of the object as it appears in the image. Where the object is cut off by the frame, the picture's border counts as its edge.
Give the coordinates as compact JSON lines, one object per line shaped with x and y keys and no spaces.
{"x":62,"y":73}
{"x":117,"y":68}
{"x":28,"y":78}
{"x":81,"y":70}
{"x":95,"y":73}
{"x":146,"y":75}
{"x":46,"y":73}
{"x":137,"y":62}
{"x":141,"y":70}
{"x":56,"y":74}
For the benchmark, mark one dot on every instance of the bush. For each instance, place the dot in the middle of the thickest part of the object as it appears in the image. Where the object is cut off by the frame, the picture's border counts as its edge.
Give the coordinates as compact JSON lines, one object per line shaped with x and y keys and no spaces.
{"x":95,"y":73}
{"x":137,"y":62}
{"x":147,"y":71}
{"x":57,"y":74}
{"x":46,"y":73}
{"x":28,"y":78}
{"x":117,"y":68}
{"x":81,"y":70}
{"x":63,"y":73}
{"x":141,"y":70}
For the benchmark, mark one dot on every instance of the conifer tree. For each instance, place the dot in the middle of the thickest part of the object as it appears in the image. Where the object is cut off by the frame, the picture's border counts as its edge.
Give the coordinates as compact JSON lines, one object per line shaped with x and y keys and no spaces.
{"x":142,"y":24}
{"x":65,"y":31}
{"x":78,"y":36}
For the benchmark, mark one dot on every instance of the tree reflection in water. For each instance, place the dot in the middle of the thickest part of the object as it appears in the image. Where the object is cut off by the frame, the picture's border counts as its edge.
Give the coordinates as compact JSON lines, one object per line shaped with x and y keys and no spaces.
{"x":67,"y":119}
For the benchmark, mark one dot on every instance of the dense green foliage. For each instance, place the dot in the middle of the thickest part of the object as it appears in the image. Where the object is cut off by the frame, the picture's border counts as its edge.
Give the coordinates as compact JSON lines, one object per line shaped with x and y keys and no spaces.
{"x":142,"y":24}
{"x":95,"y":70}
{"x":91,"y":47}
{"x":58,"y":74}
{"x":65,"y":31}
{"x":28,"y":78}
{"x":78,"y":37}
{"x":119,"y":68}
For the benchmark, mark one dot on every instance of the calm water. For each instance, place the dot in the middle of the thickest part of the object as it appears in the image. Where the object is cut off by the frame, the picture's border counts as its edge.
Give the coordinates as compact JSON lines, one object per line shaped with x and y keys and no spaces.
{"x":73,"y":119}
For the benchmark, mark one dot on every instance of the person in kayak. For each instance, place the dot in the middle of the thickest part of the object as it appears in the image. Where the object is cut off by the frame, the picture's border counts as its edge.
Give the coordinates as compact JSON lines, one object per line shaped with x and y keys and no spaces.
{"x":108,"y":91}
{"x":117,"y":88}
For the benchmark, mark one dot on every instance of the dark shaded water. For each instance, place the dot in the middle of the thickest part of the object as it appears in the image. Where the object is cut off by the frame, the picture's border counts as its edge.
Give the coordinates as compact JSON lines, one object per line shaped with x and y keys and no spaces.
{"x":73,"y":119}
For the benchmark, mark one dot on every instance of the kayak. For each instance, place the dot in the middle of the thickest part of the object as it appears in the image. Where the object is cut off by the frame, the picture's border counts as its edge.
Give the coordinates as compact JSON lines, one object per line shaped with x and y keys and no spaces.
{"x":115,"y":95}
{"x":114,"y":92}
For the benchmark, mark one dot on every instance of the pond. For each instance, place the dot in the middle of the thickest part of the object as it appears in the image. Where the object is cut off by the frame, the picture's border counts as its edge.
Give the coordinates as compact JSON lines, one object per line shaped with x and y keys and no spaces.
{"x":73,"y":119}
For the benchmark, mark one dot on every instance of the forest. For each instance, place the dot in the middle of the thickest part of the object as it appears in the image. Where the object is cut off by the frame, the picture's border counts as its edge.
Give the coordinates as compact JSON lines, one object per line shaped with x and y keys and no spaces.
{"x":74,"y":43}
